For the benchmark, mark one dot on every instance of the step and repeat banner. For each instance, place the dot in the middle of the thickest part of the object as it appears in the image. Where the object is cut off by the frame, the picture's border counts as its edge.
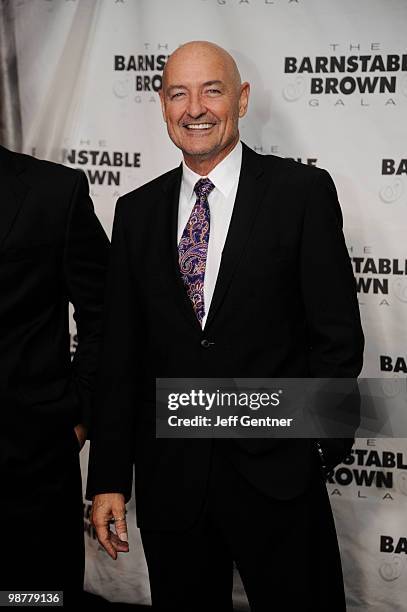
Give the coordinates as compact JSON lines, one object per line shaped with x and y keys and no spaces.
{"x":329,"y":88}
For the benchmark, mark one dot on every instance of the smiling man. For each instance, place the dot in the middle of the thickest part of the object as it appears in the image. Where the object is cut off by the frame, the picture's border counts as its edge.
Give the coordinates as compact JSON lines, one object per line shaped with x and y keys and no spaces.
{"x":231,"y":265}
{"x":202,"y":116}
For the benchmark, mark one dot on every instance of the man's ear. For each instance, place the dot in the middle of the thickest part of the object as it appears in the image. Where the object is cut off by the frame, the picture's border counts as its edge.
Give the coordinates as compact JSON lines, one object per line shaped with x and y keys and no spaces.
{"x":244,"y":98}
{"x":161,"y":94}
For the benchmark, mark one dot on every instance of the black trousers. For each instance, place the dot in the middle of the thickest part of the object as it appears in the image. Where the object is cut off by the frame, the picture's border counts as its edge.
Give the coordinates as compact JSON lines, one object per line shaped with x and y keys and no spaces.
{"x":286,"y":551}
{"x":42,"y":513}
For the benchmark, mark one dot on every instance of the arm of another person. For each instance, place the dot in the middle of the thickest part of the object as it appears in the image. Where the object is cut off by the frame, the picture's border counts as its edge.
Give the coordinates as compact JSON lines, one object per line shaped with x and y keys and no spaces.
{"x":86,"y":257}
{"x":110,"y":471}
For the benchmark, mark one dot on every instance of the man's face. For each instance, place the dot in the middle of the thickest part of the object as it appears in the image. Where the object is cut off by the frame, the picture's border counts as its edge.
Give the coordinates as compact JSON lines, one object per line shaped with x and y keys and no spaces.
{"x":202,"y":102}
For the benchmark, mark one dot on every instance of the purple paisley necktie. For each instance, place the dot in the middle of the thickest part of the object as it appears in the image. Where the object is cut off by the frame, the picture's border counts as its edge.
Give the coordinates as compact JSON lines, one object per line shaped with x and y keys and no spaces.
{"x":193,"y":247}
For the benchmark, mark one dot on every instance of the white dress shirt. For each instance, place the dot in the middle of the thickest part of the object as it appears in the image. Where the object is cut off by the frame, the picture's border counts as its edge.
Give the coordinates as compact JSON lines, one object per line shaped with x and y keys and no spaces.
{"x":225,"y":177}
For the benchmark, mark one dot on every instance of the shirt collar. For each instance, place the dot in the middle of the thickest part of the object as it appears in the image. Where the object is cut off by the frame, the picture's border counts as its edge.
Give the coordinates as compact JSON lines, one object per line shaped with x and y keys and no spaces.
{"x":224,"y":176}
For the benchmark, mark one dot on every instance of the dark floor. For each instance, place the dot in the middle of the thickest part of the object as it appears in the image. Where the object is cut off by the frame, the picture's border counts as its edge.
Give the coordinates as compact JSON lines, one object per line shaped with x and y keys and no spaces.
{"x":98,"y":602}
{"x":94,"y":601}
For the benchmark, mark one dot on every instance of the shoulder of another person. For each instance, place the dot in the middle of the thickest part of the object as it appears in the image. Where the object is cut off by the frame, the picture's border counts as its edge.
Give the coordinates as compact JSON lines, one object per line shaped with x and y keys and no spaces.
{"x":52,"y":183}
{"x":39,"y":170}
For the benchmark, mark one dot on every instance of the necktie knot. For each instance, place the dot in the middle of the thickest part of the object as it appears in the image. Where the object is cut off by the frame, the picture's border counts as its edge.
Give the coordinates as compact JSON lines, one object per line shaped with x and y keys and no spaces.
{"x":203,"y":187}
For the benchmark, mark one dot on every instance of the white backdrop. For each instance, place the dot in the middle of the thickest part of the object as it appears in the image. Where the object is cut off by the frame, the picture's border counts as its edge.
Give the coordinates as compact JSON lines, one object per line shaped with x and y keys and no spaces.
{"x":88,"y":70}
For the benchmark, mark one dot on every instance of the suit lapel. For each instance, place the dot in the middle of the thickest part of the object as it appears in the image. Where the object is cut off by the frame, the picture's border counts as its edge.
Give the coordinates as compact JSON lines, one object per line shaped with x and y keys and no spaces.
{"x":13,"y":193}
{"x":172,"y":190}
{"x":250,"y":193}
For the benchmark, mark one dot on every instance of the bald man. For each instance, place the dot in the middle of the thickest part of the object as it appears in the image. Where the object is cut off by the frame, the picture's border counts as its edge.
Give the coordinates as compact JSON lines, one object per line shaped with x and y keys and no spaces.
{"x":231,"y":265}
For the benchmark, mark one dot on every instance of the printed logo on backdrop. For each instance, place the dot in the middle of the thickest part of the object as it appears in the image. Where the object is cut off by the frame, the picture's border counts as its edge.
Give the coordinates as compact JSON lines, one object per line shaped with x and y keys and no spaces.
{"x":393,"y":363}
{"x":393,"y":556}
{"x":103,"y":166}
{"x":380,"y":280}
{"x":395,"y":171}
{"x":139,"y":76}
{"x":347,"y":74}
{"x":275,"y":150}
{"x":371,"y":473}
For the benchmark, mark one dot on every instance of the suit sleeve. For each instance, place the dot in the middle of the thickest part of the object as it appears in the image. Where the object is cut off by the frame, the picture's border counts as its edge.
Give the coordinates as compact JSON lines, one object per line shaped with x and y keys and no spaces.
{"x":85,"y":263}
{"x":112,"y":429}
{"x":336,"y":339}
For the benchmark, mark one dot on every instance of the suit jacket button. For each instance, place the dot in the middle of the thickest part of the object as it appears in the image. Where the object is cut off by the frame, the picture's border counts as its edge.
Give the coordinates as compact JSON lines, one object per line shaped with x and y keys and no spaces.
{"x":205,"y":343}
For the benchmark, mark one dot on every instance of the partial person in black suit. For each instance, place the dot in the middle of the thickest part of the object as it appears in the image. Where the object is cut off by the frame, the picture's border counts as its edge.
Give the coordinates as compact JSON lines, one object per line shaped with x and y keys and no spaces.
{"x":231,"y":265}
{"x":53,"y":251}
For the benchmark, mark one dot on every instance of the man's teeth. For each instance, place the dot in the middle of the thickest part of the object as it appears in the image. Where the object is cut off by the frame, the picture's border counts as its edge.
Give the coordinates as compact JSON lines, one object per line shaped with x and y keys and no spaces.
{"x":199,"y":126}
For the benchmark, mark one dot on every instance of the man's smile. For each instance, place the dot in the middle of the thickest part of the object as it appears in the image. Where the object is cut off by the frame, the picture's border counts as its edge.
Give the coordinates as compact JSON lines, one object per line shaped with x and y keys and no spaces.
{"x":199,"y":126}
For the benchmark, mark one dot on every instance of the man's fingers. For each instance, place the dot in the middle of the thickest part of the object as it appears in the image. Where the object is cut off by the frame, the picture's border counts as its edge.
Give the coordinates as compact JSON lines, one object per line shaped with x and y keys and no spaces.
{"x":104,"y":536}
{"x":121,"y":528}
{"x":118,"y":544}
{"x":108,"y":508}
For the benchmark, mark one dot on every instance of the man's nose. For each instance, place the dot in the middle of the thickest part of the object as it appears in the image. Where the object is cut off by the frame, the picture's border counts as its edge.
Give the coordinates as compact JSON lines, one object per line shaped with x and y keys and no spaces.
{"x":196,"y":108}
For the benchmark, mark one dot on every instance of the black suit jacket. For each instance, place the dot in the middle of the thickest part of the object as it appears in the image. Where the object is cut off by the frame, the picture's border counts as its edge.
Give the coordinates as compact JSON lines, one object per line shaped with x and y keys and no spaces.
{"x":53,"y":251}
{"x":284,"y":306}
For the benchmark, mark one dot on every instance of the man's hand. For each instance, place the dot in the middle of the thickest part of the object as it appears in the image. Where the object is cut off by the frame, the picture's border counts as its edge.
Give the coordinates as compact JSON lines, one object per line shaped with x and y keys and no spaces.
{"x":81,"y":434}
{"x":110,"y":508}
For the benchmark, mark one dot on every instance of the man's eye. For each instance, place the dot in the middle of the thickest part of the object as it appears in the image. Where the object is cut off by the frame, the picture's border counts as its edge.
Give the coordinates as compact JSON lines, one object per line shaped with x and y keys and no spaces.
{"x":213,"y":91}
{"x":177,"y":95}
